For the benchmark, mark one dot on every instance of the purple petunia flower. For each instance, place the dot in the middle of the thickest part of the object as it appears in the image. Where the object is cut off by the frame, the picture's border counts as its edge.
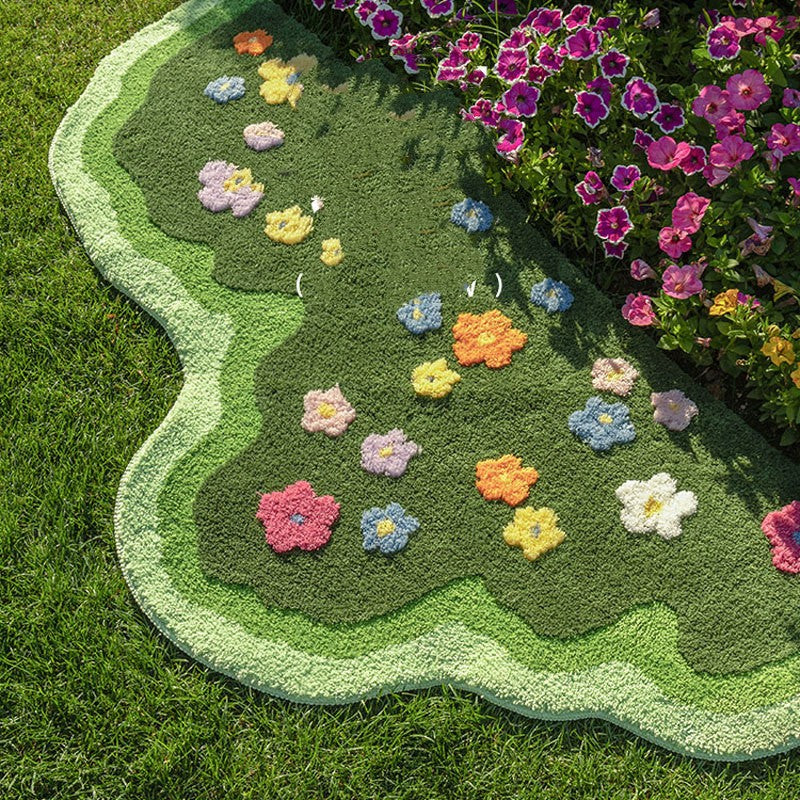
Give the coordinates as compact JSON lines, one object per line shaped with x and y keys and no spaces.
{"x":640,"y":97}
{"x":582,"y":45}
{"x":723,"y":43}
{"x":517,"y":41}
{"x":388,"y":454}
{"x":641,"y":270}
{"x":624,"y":177}
{"x":365,"y":9}
{"x":578,"y":17}
{"x":613,"y":224}
{"x":318,"y":4}
{"x":511,"y":65}
{"x":453,"y":66}
{"x":605,"y":24}
{"x":601,"y":86}
{"x":591,"y":189}
{"x":512,"y":138}
{"x":469,"y":42}
{"x":507,"y":7}
{"x":642,"y":139}
{"x":474,"y":78}
{"x":482,"y":111}
{"x":543,"y":20}
{"x":613,"y":64}
{"x":343,"y":5}
{"x":590,"y":107}
{"x":520,"y":100}
{"x":549,"y":59}
{"x":438,"y":8}
{"x":669,"y":118}
{"x":695,"y":161}
{"x":614,"y":250}
{"x":385,"y":22}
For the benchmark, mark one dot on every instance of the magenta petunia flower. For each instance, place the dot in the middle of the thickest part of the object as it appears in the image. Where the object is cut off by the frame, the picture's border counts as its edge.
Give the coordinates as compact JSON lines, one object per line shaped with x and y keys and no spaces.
{"x":512,"y":138}
{"x":518,"y":40}
{"x":641,"y":270}
{"x":782,"y":528}
{"x":715,"y":175}
{"x":469,"y":42}
{"x":748,"y":90}
{"x":296,"y":517}
{"x":723,"y":43}
{"x":520,"y":100}
{"x":613,"y":224}
{"x":730,"y":152}
{"x":482,"y":111}
{"x":327,"y":411}
{"x":388,"y":454}
{"x":590,"y":107}
{"x":613,"y":64}
{"x":614,"y":375}
{"x":784,"y":139}
{"x":385,"y":22}
{"x":669,"y":118}
{"x":511,"y":65}
{"x":475,"y":77}
{"x":543,"y":20}
{"x":547,"y":58}
{"x":712,"y":104}
{"x":640,"y":98}
{"x":438,"y":8}
{"x":694,"y":161}
{"x":689,"y":211}
{"x":605,"y":24}
{"x":665,"y":153}
{"x":582,"y":45}
{"x":642,"y":139}
{"x":729,"y":125}
{"x":578,"y":17}
{"x":674,"y":241}
{"x":614,"y":250}
{"x":767,"y":26}
{"x":537,"y":74}
{"x":638,"y":310}
{"x":673,"y":409}
{"x":791,"y":98}
{"x":405,"y":45}
{"x":591,"y":189}
{"x":624,"y":177}
{"x":601,"y":86}
{"x":365,"y":9}
{"x":681,"y":282}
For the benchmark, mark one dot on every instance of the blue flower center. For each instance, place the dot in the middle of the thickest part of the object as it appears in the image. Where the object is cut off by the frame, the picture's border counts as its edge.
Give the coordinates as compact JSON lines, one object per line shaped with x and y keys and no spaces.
{"x":293,"y":78}
{"x":298,"y":519}
{"x":796,"y":538}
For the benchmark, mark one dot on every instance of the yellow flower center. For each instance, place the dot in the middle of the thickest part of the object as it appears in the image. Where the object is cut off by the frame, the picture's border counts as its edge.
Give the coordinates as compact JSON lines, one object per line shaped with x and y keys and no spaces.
{"x":606,"y":419}
{"x":417,"y":314}
{"x":673,"y":406}
{"x":486,"y":338}
{"x":652,"y":506}
{"x":385,"y":527}
{"x":385,"y":452}
{"x":551,"y":293}
{"x":326,"y":410}
{"x":614,"y":375}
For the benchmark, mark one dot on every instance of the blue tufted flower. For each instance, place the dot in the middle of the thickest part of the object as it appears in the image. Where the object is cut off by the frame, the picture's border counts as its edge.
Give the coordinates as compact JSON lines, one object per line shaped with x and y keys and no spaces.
{"x":225,"y":89}
{"x":602,"y":425}
{"x":387,"y":529}
{"x":551,"y":295}
{"x":472,"y":215}
{"x":422,"y":314}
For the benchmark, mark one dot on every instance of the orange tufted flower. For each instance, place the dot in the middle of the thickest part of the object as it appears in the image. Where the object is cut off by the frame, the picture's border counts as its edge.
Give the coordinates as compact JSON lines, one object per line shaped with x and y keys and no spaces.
{"x":486,"y":337}
{"x":505,"y":479}
{"x":252,"y":43}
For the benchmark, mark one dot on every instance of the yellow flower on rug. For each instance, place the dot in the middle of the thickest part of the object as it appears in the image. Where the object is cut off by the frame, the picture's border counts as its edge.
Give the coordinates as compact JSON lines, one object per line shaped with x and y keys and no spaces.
{"x":288,"y":226}
{"x":434,"y":379}
{"x":534,"y":531}
{"x":281,"y":83}
{"x":332,"y":253}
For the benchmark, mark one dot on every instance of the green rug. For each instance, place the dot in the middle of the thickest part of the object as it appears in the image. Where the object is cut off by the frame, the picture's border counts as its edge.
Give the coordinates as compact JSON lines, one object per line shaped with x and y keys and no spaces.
{"x":414,"y":445}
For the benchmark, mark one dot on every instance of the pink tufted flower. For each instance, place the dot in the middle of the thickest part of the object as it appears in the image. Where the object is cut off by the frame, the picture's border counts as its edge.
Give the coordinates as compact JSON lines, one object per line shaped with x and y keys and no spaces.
{"x":296,"y":517}
{"x":327,"y":412}
{"x":638,"y":310}
{"x":614,"y":375}
{"x":782,"y":528}
{"x":673,"y":409}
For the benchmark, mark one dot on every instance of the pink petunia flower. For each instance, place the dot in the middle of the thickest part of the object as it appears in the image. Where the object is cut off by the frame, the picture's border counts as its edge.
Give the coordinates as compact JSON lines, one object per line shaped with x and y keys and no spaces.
{"x":511,"y":65}
{"x":613,"y":224}
{"x":669,"y":118}
{"x":784,"y":139}
{"x":365,"y":9}
{"x":715,"y":175}
{"x":730,"y":152}
{"x":606,"y":24}
{"x":624,"y":177}
{"x":673,"y":409}
{"x":730,"y":125}
{"x":748,"y":90}
{"x":591,"y":189}
{"x":614,"y":375}
{"x":640,"y":98}
{"x":578,"y":17}
{"x":613,"y":64}
{"x":665,"y":153}
{"x":794,"y":184}
{"x":695,"y":160}
{"x":723,"y":43}
{"x":512,"y":137}
{"x":518,"y":40}
{"x":481,"y":111}
{"x":582,"y":45}
{"x":641,"y":270}
{"x":543,"y":20}
{"x":791,"y":98}
{"x":674,"y":241}
{"x":689,"y":211}
{"x":681,"y":282}
{"x":638,"y":310}
{"x":474,"y":78}
{"x":590,"y":107}
{"x":712,"y":103}
{"x":782,"y":528}
{"x":520,"y":100}
{"x":327,"y":412}
{"x":614,"y":250}
{"x":296,"y":517}
{"x":767,"y":26}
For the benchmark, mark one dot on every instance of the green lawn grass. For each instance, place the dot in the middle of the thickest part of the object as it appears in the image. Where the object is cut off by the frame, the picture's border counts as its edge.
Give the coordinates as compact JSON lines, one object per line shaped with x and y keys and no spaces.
{"x":93,"y":702}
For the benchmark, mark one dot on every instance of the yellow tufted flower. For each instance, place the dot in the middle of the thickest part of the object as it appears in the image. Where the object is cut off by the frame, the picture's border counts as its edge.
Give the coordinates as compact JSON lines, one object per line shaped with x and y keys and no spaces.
{"x":534,"y":531}
{"x":281,"y":84}
{"x":240,"y":179}
{"x":780,"y":350}
{"x":332,"y":254}
{"x":288,"y":226}
{"x":725,"y":303}
{"x":434,"y":379}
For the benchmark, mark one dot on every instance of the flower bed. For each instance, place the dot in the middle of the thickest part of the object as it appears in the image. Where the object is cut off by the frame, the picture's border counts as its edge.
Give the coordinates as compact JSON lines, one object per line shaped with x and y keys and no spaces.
{"x":681,"y":173}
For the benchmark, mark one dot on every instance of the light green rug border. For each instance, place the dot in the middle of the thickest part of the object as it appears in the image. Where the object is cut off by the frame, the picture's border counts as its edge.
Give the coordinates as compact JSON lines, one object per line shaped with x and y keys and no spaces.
{"x":452,"y":653}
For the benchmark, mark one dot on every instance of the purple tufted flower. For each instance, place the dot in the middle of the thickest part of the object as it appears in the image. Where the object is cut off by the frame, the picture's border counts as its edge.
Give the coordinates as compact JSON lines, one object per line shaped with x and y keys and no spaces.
{"x":388,"y":454}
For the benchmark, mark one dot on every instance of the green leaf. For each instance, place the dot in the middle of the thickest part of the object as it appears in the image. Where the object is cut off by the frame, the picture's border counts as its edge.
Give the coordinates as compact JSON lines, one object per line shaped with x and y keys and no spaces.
{"x":790,"y":436}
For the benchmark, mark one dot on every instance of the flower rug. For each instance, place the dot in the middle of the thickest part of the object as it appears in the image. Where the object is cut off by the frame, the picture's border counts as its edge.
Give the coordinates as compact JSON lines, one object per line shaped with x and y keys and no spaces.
{"x":414,"y":445}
